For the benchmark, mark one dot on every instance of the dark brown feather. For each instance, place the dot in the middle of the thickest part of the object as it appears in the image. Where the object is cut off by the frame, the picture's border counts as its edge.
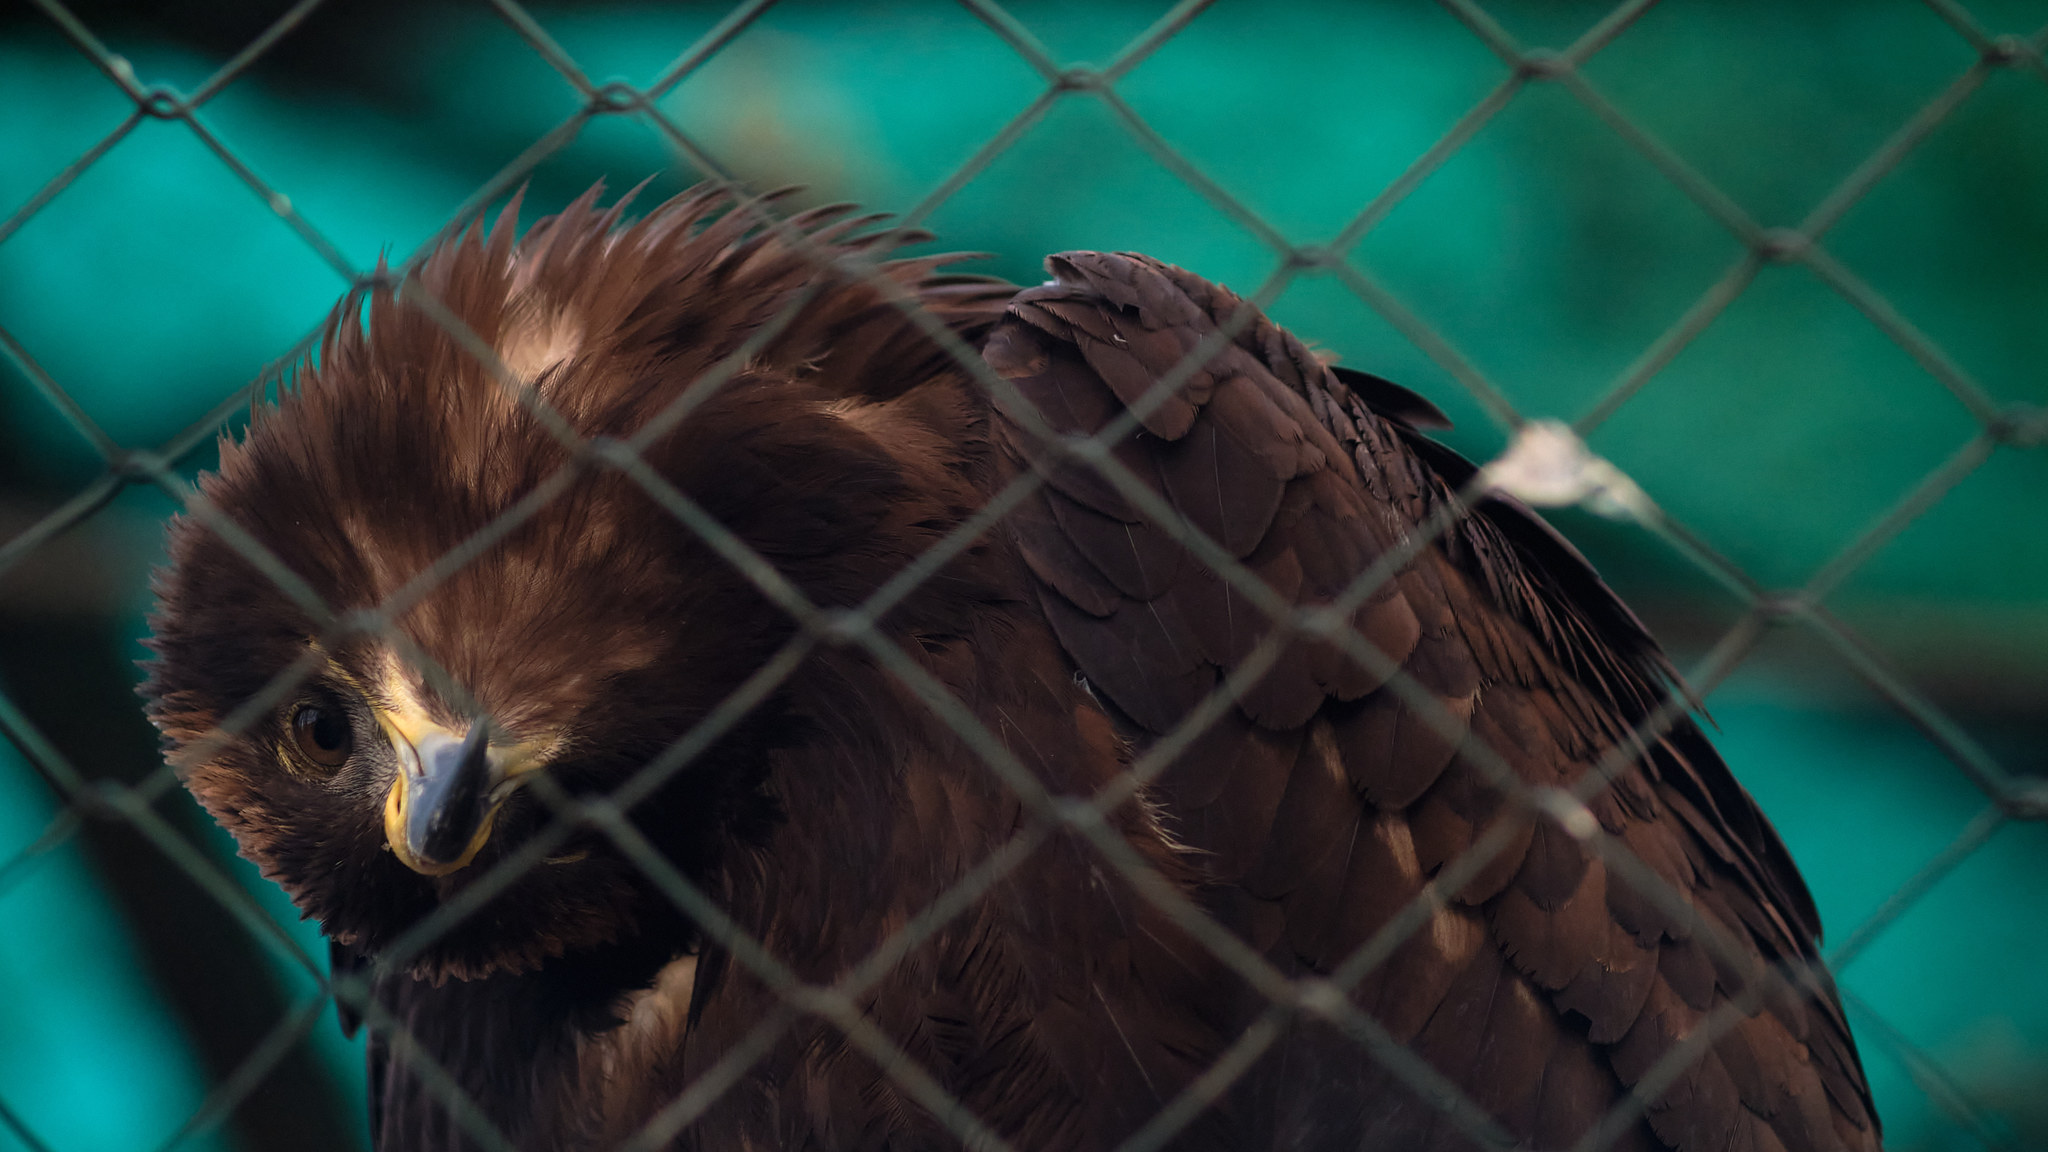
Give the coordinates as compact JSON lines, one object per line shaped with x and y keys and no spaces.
{"x":1531,"y":663}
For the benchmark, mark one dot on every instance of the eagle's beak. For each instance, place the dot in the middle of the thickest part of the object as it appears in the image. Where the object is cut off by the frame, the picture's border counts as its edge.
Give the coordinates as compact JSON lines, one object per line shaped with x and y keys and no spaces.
{"x":450,"y":786}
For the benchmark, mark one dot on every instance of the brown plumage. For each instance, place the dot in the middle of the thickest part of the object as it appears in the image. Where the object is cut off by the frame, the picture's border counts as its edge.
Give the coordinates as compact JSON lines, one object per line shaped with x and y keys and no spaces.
{"x":1061,"y":1008}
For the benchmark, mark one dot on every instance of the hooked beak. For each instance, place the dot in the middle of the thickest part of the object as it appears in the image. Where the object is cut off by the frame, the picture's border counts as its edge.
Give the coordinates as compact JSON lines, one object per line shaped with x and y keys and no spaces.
{"x":450,"y":786}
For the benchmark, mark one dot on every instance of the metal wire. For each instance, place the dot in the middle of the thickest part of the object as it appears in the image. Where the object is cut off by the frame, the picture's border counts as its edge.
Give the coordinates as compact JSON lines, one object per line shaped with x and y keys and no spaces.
{"x":1085,"y":818}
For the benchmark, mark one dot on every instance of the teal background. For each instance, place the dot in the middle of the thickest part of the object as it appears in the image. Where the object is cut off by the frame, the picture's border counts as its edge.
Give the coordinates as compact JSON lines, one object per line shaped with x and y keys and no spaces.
{"x":1549,"y":252}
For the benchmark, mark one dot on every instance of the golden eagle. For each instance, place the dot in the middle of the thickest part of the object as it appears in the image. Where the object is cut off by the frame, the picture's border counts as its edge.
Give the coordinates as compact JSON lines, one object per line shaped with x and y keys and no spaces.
{"x":442,"y":659}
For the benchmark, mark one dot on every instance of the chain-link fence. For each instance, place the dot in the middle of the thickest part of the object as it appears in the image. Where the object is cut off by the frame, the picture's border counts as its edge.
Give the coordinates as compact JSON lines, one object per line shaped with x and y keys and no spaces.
{"x":1999,"y":426}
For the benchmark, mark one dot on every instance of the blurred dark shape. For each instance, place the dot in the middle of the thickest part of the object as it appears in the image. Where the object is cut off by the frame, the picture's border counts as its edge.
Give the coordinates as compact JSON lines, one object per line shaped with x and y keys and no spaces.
{"x":63,"y":635}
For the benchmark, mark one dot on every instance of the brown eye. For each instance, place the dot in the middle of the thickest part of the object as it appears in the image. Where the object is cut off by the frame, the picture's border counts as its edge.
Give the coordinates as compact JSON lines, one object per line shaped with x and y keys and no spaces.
{"x":322,"y":734}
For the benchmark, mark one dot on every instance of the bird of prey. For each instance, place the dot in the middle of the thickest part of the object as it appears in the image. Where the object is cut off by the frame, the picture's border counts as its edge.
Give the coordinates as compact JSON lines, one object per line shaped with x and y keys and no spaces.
{"x":458,"y":579}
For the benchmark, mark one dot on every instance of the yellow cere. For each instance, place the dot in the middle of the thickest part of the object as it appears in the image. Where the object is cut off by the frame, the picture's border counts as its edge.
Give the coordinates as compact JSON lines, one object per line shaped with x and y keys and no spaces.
{"x":407,"y":725}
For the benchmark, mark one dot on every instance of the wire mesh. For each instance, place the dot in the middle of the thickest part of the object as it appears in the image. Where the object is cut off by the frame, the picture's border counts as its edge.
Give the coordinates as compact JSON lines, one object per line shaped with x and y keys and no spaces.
{"x":2002,"y":426}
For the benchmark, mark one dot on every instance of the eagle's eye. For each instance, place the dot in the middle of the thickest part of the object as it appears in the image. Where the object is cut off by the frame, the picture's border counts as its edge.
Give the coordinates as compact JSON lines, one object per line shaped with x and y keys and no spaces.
{"x":322,"y":734}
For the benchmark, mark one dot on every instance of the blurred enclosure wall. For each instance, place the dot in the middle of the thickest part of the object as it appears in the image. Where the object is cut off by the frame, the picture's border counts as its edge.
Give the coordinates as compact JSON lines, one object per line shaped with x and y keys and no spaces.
{"x":1862,"y":413}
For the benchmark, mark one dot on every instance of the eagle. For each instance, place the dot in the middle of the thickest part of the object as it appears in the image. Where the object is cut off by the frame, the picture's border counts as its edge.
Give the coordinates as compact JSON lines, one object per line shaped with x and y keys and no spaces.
{"x":530,"y":641}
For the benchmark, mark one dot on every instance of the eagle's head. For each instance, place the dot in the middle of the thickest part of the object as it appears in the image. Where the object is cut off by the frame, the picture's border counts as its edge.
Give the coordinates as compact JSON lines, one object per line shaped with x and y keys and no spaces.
{"x":407,"y":594}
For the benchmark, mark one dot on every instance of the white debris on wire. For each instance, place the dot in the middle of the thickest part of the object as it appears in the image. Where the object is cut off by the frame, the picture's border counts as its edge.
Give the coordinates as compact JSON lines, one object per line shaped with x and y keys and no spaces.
{"x":1547,"y":465}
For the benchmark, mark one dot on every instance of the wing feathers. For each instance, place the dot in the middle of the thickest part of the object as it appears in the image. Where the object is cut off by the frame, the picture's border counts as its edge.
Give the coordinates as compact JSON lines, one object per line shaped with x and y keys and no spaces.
{"x":1235,"y":828}
{"x":1546,"y":983}
{"x":1053,"y":557}
{"x":1139,"y":559}
{"x":1140,"y":656}
{"x":1321,"y":819}
{"x":1221,"y":484}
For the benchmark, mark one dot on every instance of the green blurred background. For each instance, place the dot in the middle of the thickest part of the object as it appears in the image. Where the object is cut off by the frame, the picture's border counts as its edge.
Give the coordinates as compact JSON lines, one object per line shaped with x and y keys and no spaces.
{"x":1549,"y":252}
